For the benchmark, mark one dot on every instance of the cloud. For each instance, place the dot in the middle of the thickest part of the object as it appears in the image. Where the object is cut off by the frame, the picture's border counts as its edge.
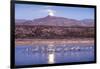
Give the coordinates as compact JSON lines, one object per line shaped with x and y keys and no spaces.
{"x":50,"y":12}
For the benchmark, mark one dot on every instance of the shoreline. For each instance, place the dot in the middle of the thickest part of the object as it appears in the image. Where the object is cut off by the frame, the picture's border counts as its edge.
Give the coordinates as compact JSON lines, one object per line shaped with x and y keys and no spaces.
{"x":53,"y":41}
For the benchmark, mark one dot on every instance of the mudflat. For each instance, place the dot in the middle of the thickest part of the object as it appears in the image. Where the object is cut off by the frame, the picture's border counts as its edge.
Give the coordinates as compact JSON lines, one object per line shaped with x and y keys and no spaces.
{"x":53,"y":41}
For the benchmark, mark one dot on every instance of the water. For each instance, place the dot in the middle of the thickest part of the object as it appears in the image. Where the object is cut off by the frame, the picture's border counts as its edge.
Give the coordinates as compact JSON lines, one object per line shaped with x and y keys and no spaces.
{"x":49,"y":54}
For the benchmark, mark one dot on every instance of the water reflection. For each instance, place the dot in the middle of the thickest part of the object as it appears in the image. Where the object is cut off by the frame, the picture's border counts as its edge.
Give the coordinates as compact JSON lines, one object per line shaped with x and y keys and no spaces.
{"x":51,"y":58}
{"x":49,"y":54}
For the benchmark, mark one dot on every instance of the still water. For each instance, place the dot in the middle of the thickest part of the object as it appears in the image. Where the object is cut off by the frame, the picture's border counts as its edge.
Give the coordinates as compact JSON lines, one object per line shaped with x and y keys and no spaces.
{"x":49,"y":54}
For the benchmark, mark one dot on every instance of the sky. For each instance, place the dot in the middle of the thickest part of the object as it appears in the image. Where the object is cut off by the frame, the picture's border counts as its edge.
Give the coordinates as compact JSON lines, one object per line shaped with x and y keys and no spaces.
{"x":30,"y":12}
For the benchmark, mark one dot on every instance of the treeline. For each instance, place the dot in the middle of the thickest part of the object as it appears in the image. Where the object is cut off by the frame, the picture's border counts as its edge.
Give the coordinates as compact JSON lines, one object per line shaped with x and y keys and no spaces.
{"x":52,"y":32}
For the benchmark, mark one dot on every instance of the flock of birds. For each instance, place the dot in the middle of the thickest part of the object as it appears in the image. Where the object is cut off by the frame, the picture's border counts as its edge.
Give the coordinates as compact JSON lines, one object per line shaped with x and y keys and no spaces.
{"x":51,"y":48}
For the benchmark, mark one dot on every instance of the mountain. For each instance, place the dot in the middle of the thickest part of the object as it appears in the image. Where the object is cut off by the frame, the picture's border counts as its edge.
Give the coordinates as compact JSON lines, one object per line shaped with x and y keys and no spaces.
{"x":56,"y":21}
{"x":21,"y":21}
{"x":88,"y":22}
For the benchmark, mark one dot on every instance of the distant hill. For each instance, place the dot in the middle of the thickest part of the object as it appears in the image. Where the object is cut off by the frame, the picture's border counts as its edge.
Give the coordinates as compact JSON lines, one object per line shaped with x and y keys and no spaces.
{"x":88,"y":22}
{"x":56,"y":21}
{"x":20,"y":20}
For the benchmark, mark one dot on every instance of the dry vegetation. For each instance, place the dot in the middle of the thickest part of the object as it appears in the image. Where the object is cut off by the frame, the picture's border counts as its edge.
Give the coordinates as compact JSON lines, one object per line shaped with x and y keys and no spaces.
{"x":52,"y":32}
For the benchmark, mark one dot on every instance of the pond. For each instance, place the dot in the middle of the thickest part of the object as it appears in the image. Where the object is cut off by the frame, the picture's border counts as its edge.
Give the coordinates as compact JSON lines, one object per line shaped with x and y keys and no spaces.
{"x":51,"y":54}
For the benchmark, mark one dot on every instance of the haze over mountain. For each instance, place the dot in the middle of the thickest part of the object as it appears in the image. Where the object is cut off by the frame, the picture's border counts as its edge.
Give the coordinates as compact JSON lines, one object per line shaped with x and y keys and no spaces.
{"x":56,"y":21}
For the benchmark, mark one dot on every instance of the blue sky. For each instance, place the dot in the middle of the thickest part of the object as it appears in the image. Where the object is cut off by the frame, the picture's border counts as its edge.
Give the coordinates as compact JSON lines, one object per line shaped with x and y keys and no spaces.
{"x":30,"y":12}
